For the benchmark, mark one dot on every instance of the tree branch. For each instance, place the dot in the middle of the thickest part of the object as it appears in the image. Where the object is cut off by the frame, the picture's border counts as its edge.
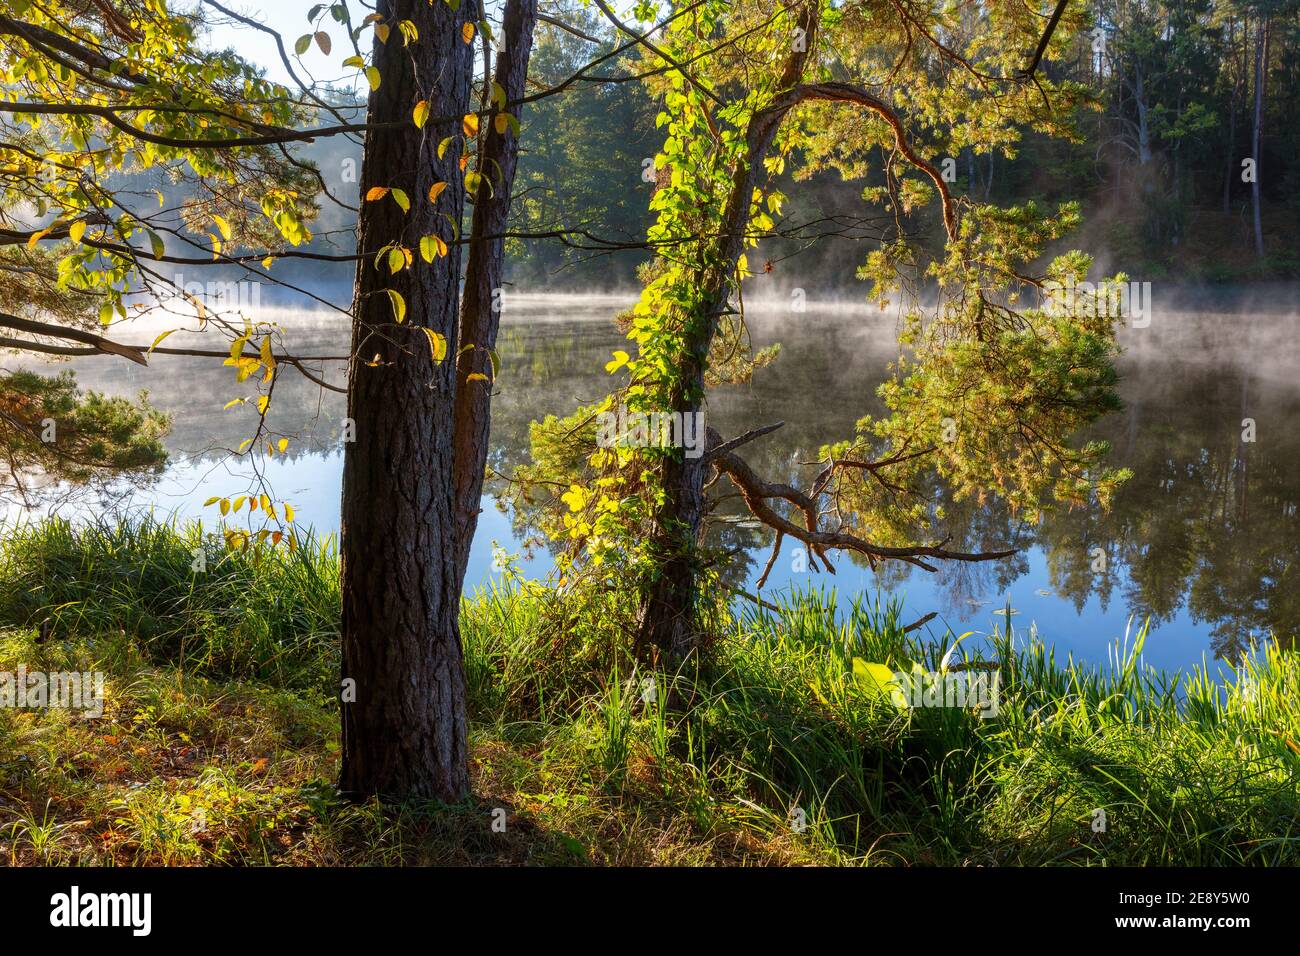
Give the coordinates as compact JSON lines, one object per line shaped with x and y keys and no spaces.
{"x":757,"y":493}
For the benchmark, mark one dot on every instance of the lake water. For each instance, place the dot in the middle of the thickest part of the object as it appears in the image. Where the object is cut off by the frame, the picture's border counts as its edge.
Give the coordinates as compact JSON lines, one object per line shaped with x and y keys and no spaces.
{"x":1203,"y":540}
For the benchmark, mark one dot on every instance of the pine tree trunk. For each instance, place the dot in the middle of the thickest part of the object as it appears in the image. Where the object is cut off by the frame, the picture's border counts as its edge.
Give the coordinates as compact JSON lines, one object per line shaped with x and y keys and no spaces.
{"x":404,"y":734}
{"x":669,"y":623}
{"x":480,"y":314}
{"x":1231,"y":170}
{"x":1257,"y":134}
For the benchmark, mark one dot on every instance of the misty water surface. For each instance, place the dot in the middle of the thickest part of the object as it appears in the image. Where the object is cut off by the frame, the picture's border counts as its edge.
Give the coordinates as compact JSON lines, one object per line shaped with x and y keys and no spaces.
{"x":1203,"y":540}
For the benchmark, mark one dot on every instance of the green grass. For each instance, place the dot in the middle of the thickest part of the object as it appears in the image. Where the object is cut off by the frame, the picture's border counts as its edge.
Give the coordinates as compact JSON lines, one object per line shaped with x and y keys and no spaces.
{"x":180,"y":596}
{"x":218,"y":744}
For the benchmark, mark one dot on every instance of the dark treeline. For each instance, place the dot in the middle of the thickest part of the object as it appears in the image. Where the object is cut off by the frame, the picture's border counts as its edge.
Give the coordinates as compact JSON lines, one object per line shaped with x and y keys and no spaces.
{"x":1188,"y":167}
{"x":1173,"y":184}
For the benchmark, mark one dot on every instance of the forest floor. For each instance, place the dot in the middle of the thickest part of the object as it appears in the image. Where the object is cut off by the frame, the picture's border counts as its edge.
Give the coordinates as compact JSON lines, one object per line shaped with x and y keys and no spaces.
{"x":217,"y":743}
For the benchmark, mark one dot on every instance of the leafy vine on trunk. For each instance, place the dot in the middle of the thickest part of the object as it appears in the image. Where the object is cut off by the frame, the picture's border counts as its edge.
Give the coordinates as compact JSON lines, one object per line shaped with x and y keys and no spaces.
{"x":816,"y":93}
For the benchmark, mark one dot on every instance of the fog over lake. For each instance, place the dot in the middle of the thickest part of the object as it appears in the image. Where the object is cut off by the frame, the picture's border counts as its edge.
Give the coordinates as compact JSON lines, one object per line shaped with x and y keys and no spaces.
{"x":1204,"y":539}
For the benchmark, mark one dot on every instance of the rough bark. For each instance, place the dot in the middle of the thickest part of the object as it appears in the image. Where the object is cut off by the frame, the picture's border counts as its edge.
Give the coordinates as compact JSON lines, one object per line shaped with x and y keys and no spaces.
{"x":404,"y":736}
{"x":480,"y":315}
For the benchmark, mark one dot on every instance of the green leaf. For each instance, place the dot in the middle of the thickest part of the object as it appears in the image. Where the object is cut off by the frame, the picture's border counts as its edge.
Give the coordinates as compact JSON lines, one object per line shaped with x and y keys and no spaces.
{"x":875,"y":678}
{"x":399,"y":305}
{"x":303,"y":42}
{"x":401,"y":199}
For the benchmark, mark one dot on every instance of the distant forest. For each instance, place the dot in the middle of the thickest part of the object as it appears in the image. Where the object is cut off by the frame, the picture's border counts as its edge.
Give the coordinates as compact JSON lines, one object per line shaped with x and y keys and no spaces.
{"x":1183,"y":93}
{"x":1187,"y":166}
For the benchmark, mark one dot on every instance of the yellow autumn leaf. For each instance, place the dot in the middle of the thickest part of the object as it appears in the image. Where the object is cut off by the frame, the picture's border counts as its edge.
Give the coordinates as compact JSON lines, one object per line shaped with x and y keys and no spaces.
{"x":421,"y":113}
{"x":437,"y":345}
{"x":469,"y":123}
{"x":431,"y":247}
{"x":159,"y":339}
{"x":467,"y":33}
{"x":435,"y":191}
{"x":245,"y":368}
{"x":575,"y":497}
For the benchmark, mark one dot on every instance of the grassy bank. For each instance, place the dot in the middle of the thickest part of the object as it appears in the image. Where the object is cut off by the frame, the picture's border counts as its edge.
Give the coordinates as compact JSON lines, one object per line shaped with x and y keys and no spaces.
{"x":218,"y":739}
